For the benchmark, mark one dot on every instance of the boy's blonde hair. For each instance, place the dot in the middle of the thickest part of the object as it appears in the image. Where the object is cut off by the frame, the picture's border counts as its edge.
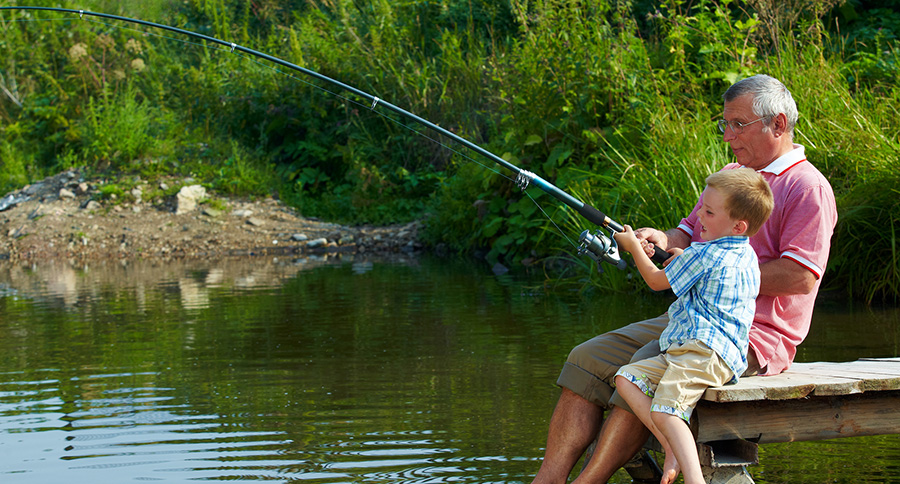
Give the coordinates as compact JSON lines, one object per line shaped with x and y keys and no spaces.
{"x":747,"y":196}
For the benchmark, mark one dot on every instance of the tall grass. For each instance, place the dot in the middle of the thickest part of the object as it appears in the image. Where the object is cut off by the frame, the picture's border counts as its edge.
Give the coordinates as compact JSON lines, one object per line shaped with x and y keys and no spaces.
{"x":853,"y":136}
{"x":118,"y":129}
{"x":14,"y":167}
{"x":866,"y":256}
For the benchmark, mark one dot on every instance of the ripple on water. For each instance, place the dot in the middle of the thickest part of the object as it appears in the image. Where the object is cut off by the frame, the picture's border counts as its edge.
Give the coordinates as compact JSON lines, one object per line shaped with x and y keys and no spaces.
{"x":144,"y":433}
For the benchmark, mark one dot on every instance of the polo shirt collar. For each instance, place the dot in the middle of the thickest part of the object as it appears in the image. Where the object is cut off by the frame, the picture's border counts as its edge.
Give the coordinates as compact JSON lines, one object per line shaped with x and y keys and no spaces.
{"x":786,"y":161}
{"x":728,"y":241}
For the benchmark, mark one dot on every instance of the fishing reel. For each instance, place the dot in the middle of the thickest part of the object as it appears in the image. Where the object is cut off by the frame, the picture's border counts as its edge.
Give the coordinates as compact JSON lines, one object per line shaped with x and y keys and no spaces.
{"x":601,"y":248}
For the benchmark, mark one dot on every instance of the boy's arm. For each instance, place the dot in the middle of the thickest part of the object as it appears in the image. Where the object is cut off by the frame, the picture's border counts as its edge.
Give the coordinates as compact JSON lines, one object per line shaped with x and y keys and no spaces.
{"x":653,"y":276}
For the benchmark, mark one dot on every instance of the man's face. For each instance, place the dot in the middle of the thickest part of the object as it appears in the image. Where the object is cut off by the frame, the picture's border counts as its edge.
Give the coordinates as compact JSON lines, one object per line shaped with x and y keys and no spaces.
{"x":756,"y":147}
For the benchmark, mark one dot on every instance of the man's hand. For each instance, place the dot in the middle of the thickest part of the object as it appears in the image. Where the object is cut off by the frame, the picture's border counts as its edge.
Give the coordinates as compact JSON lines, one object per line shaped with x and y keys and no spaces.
{"x":628,"y":241}
{"x":655,"y":277}
{"x":651,"y":238}
{"x":646,"y":240}
{"x":672,"y":238}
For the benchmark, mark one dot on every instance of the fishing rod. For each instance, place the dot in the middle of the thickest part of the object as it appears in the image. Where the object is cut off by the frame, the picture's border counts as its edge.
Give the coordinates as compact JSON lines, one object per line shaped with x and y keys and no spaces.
{"x":598,"y":245}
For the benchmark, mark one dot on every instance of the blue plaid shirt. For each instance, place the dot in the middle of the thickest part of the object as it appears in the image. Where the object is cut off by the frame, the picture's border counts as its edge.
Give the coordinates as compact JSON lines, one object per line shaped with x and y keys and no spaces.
{"x":716,"y":283}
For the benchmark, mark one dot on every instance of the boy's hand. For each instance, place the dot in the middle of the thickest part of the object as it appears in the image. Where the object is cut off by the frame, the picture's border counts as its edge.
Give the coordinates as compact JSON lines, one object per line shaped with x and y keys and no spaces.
{"x":654,"y":276}
{"x":650,"y":239}
{"x":628,"y":241}
{"x":674,"y":252}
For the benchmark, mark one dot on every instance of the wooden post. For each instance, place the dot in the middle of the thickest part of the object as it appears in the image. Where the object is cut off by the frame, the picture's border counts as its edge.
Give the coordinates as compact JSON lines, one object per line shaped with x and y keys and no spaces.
{"x":727,"y":475}
{"x":726,"y":461}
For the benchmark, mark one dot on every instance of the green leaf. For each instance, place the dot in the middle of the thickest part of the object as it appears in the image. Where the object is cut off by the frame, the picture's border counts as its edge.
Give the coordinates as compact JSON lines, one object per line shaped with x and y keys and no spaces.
{"x":533,"y":140}
{"x":524,"y":206}
{"x":558,"y":155}
{"x":492,"y":227}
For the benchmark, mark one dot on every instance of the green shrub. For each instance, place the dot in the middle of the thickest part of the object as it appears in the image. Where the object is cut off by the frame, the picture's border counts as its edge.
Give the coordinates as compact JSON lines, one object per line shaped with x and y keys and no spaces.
{"x":865,"y":257}
{"x":14,"y":167}
{"x":117,"y":131}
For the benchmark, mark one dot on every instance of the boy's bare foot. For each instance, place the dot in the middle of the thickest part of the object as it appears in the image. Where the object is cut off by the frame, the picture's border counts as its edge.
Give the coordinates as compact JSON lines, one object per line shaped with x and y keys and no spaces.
{"x":671,"y":469}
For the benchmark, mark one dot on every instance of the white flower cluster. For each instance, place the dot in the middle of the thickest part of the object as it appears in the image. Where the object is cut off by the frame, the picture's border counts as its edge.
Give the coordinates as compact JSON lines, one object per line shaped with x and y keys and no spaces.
{"x":78,"y":51}
{"x":134,"y":46}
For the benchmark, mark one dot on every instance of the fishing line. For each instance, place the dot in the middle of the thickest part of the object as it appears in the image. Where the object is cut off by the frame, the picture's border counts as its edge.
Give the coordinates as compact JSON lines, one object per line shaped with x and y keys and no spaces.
{"x":372,"y":108}
{"x":151,"y":34}
{"x":284,"y":73}
{"x":599,"y":246}
{"x":404,"y":125}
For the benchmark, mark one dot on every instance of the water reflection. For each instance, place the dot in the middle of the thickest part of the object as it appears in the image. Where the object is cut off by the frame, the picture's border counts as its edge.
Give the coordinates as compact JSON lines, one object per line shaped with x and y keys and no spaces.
{"x":319,"y":370}
{"x":64,"y":284}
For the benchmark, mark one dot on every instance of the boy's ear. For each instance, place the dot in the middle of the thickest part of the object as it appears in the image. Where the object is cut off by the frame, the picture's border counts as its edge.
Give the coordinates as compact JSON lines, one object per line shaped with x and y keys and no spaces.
{"x":740,"y":227}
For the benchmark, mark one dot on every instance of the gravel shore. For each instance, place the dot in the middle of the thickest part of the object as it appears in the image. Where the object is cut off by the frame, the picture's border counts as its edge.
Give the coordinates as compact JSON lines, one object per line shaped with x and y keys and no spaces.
{"x":65,"y":217}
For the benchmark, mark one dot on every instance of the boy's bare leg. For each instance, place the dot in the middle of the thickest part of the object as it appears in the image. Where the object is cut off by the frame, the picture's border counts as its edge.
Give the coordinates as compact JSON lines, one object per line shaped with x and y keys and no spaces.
{"x":640,"y":405}
{"x":682,"y":444}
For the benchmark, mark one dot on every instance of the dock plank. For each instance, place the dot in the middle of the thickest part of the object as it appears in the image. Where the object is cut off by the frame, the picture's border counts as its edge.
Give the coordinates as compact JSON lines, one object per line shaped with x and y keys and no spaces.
{"x":897,"y":359}
{"x":813,"y":379}
{"x":873,"y":376}
{"x":810,"y":401}
{"x":865,"y":368}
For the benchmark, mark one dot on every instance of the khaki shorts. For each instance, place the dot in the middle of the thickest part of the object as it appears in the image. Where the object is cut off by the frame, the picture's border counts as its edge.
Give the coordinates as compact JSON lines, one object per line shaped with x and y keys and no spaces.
{"x":591,"y":367}
{"x":676,"y":379}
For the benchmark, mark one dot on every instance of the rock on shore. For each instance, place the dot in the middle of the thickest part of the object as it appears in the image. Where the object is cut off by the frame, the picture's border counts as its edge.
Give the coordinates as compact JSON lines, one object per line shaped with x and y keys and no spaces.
{"x":66,"y":216}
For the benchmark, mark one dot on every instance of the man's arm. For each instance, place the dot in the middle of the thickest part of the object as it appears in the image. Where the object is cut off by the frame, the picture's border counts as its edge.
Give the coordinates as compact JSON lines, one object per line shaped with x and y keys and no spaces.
{"x":784,"y":277}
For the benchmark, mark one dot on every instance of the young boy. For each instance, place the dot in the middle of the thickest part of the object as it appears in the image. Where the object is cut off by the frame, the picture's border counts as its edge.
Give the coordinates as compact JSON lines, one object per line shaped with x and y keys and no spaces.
{"x":706,"y":341}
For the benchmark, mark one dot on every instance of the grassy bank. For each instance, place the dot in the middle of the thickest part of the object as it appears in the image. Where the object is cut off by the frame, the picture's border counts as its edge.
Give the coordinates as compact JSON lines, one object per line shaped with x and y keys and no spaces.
{"x":615,"y":102}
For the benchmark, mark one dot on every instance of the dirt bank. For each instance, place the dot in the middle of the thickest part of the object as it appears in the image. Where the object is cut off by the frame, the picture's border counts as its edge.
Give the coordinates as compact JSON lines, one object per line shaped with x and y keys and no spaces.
{"x":66,"y":217}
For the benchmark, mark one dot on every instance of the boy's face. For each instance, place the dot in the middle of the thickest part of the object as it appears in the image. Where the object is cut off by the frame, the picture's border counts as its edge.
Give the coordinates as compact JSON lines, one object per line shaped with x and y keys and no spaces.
{"x":714,"y":219}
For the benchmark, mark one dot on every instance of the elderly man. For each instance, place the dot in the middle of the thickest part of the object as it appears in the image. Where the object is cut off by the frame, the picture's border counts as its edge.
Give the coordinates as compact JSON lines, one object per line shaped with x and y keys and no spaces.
{"x":792,"y":247}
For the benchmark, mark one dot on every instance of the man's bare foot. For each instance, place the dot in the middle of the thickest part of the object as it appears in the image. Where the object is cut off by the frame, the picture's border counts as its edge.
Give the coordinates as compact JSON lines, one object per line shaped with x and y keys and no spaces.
{"x":671,"y":469}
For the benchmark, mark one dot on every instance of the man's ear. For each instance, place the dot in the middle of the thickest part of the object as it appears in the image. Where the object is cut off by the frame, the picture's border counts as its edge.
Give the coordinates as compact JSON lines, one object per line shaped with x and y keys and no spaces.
{"x":740,"y":227}
{"x":779,"y":124}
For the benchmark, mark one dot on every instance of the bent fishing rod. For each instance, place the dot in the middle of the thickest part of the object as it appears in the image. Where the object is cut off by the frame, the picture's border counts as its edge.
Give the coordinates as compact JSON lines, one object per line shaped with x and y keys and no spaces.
{"x":598,"y":245}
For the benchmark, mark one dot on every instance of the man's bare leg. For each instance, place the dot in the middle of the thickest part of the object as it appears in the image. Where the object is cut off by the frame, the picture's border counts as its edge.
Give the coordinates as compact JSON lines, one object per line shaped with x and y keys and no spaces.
{"x":621,"y":437}
{"x":573,"y":426}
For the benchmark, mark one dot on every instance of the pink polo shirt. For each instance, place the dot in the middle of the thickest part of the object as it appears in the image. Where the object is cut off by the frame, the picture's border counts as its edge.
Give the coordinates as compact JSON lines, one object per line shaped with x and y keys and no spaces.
{"x":799,"y":229}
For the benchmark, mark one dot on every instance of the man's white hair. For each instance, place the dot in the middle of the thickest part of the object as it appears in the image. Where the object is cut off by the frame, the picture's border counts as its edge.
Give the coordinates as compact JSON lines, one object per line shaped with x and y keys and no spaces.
{"x":770,"y":98}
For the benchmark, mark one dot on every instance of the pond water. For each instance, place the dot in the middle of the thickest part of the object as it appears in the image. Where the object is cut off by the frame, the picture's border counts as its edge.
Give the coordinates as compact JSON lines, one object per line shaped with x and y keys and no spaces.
{"x":329,"y":370}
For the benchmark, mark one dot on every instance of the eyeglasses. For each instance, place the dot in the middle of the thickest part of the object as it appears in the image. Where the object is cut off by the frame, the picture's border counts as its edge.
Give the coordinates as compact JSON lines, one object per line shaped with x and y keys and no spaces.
{"x":736,"y":127}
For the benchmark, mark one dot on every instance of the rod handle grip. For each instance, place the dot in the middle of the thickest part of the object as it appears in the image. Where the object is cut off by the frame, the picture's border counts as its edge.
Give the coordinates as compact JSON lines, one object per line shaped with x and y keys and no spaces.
{"x":660,"y":255}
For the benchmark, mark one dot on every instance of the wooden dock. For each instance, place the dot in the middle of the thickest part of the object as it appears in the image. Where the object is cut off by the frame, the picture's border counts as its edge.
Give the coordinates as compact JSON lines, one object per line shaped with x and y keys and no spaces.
{"x":810,"y":401}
